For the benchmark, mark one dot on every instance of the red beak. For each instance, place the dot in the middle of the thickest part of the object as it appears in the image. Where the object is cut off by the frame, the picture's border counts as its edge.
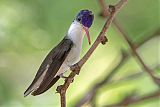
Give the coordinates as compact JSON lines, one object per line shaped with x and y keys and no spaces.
{"x":87,"y":34}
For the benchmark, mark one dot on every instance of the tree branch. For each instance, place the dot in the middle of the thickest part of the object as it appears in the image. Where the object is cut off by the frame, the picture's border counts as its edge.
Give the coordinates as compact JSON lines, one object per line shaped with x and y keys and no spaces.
{"x":154,"y":34}
{"x":133,"y":99}
{"x":132,"y":46}
{"x":134,"y":52}
{"x":90,"y":95}
{"x":100,"y":39}
{"x":104,"y":10}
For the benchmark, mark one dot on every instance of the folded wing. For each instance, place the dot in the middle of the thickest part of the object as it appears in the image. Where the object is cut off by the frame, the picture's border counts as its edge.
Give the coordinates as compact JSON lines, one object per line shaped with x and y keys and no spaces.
{"x":44,"y":78}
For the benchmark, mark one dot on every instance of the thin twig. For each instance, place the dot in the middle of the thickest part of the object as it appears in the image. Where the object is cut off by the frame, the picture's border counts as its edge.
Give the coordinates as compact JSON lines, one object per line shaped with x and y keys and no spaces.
{"x":100,"y":39}
{"x":93,"y":91}
{"x":108,"y":77}
{"x":104,"y":10}
{"x":131,"y":45}
{"x":154,"y":34}
{"x":132,"y":99}
{"x":92,"y":94}
{"x":89,"y":96}
{"x":139,"y":59}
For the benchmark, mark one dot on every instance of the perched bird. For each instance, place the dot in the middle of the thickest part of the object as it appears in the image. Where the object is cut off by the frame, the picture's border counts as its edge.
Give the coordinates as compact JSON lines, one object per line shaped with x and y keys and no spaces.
{"x":63,"y":56}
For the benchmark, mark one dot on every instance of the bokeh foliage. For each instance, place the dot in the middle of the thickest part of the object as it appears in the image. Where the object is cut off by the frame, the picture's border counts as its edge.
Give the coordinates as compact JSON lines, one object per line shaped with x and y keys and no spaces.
{"x":30,"y":28}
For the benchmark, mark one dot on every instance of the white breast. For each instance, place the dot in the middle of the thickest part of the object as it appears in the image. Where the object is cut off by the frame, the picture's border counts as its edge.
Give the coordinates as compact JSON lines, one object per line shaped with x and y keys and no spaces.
{"x":76,"y":34}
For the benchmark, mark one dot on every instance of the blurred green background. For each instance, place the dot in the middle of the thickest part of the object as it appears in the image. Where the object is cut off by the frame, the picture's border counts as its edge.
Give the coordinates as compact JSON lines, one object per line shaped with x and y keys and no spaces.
{"x":29,"y":29}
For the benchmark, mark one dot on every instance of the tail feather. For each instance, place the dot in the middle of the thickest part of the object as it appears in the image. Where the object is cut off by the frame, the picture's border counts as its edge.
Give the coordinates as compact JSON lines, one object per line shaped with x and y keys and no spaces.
{"x":42,"y":89}
{"x":27,"y":92}
{"x":34,"y":85}
{"x":34,"y":90}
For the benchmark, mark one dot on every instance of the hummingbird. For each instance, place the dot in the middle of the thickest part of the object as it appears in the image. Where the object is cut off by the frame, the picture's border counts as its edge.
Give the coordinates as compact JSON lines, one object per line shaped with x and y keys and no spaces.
{"x":63,"y":56}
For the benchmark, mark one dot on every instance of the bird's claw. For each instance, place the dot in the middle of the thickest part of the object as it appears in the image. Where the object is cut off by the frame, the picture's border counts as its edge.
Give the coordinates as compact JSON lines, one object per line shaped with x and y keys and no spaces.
{"x":58,"y":89}
{"x":62,"y":76}
{"x":66,"y":79}
{"x":75,"y":68}
{"x":104,"y":40}
{"x":72,"y":80}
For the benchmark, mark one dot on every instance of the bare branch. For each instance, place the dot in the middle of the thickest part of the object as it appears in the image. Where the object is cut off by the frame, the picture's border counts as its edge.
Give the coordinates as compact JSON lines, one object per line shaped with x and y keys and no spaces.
{"x":92,"y":92}
{"x":131,"y":45}
{"x":134,"y":52}
{"x":128,"y":78}
{"x":90,"y":95}
{"x":100,"y":39}
{"x":154,"y":34}
{"x":104,"y":10}
{"x":132,"y":99}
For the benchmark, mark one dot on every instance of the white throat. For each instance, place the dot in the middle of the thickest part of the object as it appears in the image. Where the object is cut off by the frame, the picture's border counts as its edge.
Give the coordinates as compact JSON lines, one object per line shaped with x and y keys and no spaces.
{"x":76,"y":33}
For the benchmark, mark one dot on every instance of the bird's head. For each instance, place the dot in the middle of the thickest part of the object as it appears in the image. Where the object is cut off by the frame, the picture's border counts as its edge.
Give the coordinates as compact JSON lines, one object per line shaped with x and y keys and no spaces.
{"x":85,"y":18}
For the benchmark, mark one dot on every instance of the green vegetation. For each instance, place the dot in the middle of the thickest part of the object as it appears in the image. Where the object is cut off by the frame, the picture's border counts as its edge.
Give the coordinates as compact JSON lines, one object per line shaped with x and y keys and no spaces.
{"x":29,"y":29}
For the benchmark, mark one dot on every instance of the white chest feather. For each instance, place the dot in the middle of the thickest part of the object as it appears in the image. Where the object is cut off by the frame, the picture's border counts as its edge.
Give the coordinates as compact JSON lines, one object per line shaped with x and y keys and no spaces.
{"x":76,"y":34}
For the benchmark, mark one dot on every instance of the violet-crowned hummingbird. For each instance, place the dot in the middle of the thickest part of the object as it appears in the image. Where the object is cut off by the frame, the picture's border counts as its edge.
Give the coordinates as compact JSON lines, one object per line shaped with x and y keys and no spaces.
{"x":63,"y":56}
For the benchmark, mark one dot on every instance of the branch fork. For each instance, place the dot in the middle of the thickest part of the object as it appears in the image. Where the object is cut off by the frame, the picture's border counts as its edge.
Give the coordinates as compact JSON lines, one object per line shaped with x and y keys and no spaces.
{"x":111,"y":9}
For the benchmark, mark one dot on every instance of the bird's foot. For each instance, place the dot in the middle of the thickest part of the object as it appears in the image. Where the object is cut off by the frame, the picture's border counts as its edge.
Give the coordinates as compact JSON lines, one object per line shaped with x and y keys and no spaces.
{"x":62,"y":76}
{"x":72,"y":80}
{"x":75,"y":68}
{"x":58,"y":90}
{"x":104,"y":39}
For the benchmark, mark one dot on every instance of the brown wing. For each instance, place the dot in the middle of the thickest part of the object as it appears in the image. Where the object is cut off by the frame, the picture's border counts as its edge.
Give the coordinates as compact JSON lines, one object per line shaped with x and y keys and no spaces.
{"x":41,"y":90}
{"x":49,"y":67}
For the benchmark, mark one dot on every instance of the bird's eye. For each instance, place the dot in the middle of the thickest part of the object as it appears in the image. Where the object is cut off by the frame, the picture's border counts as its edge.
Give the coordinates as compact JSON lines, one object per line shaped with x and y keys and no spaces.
{"x":79,"y":19}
